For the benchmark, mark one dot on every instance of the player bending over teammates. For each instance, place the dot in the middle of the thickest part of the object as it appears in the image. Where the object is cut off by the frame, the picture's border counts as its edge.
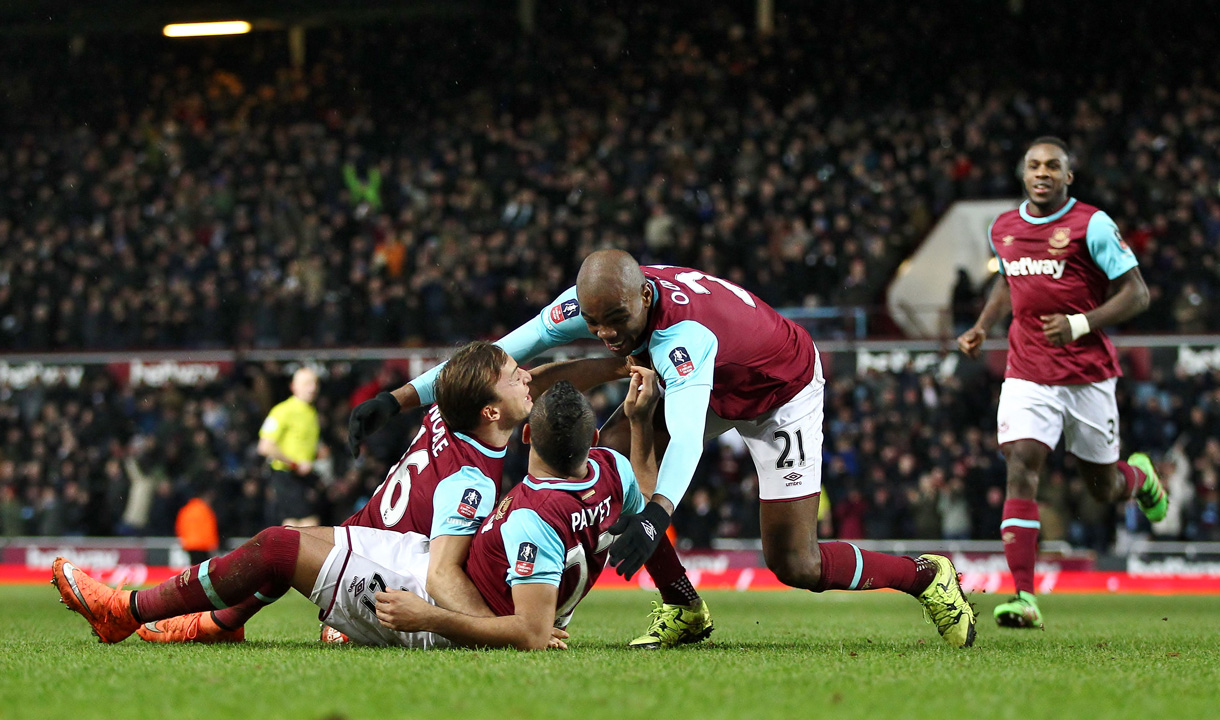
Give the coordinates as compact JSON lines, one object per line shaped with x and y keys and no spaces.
{"x":727,"y":360}
{"x":1060,"y":260}
{"x":533,"y":560}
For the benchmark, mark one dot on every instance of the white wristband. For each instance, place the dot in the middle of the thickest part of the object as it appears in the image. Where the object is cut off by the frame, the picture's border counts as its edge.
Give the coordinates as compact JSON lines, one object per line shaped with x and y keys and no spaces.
{"x":1080,"y":325}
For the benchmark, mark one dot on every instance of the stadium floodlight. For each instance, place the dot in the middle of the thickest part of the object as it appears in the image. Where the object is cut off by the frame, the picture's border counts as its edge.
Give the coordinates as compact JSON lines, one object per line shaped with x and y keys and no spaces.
{"x":226,"y":27}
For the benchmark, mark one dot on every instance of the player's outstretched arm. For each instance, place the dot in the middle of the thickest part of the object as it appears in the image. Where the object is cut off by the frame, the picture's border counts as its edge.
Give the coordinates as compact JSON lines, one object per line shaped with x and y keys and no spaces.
{"x":448,"y":584}
{"x":528,"y":628}
{"x":585,"y":374}
{"x":998,"y":305}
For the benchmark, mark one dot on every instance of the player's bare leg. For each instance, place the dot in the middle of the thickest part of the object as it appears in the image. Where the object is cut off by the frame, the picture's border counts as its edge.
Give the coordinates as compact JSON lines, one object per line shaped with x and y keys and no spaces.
{"x":792,"y":551}
{"x":1104,"y":482}
{"x":790,"y":542}
{"x":1121,"y":481}
{"x":1019,"y":529}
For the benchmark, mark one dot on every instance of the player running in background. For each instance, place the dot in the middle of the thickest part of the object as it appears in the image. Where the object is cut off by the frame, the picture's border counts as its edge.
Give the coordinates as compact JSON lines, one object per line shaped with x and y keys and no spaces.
{"x":443,"y":486}
{"x":1065,"y":273}
{"x":727,"y":360}
{"x":571,"y":497}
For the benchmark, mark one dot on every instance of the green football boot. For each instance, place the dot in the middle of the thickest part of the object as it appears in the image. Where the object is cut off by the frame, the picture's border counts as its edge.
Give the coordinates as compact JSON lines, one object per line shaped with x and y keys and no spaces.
{"x":1151,"y":496}
{"x":674,"y":625}
{"x":946,"y":605}
{"x":1020,"y":612}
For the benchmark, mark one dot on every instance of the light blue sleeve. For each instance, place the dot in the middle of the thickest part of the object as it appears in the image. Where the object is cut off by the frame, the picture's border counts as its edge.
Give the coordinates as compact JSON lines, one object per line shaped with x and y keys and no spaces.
{"x":991,"y":244}
{"x":1106,"y":246}
{"x":461,"y":502}
{"x":534,"y":551}
{"x":558,"y":324}
{"x":684,"y":355}
{"x":685,"y":417}
{"x":633,"y":499}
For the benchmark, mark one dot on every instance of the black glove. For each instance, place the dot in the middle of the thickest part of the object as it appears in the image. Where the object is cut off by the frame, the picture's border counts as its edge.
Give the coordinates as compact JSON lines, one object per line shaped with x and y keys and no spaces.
{"x":368,"y":417}
{"x":638,"y":536}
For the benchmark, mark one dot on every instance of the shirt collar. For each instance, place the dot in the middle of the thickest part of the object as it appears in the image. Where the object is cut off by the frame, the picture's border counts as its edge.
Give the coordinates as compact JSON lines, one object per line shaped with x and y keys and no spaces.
{"x":562,"y":484}
{"x":1049,"y":218}
{"x":478,"y":445}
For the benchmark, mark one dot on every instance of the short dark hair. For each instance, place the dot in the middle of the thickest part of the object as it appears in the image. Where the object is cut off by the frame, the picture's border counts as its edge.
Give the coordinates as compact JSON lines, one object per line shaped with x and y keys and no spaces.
{"x":1052,"y":140}
{"x":467,"y":384}
{"x":561,"y":428}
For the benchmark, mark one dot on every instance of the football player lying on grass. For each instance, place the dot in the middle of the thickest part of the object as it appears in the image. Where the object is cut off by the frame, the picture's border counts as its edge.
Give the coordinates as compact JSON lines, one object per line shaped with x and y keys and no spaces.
{"x":443,"y":486}
{"x":531,"y":561}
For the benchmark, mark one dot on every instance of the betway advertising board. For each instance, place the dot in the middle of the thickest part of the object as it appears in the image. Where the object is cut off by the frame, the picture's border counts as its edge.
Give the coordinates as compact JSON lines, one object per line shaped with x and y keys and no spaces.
{"x":17,"y":372}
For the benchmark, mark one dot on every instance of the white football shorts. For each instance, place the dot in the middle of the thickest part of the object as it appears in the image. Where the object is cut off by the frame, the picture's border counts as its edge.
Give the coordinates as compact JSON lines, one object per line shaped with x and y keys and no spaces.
{"x":363,"y":562}
{"x":1085,"y":415}
{"x":785,"y":443}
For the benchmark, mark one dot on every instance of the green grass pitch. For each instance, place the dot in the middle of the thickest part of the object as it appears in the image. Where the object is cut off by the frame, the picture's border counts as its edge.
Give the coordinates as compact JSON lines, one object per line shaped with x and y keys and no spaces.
{"x":773,"y":655}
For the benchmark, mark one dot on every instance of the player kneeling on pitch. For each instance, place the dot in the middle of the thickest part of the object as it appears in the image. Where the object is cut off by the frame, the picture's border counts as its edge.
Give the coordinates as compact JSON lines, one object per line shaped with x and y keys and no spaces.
{"x":531,"y":561}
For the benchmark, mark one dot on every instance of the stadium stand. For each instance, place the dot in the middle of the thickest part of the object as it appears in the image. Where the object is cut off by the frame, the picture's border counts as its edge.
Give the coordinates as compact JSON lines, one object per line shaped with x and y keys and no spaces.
{"x":387,"y":194}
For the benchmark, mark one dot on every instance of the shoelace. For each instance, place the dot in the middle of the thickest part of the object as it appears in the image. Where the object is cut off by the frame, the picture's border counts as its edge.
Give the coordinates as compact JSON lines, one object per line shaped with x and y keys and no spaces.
{"x":114,"y":603}
{"x":944,"y":616}
{"x":658,"y":619}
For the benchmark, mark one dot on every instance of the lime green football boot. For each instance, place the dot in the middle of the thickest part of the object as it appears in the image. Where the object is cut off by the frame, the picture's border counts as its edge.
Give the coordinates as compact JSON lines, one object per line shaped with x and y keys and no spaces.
{"x":674,"y":625}
{"x":1150,"y":496}
{"x":946,"y":605}
{"x":1020,"y":612}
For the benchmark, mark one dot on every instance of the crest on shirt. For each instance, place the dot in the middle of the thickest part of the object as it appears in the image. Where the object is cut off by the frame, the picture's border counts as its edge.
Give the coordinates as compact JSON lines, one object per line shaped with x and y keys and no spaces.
{"x":527,"y":552}
{"x":470,"y":503}
{"x":502,"y":510}
{"x":681,"y":360}
{"x":1060,"y":239}
{"x":565,"y":310}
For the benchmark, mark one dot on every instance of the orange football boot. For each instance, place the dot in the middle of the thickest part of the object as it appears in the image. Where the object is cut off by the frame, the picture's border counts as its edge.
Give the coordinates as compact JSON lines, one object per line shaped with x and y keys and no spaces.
{"x":332,"y":636}
{"x":194,"y":628}
{"x":108,"y":610}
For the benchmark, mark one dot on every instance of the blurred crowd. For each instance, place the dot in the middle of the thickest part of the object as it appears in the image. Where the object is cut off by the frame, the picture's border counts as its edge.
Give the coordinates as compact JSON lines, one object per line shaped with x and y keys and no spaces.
{"x":907,"y":455}
{"x":432,"y":182}
{"x":436,"y":181}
